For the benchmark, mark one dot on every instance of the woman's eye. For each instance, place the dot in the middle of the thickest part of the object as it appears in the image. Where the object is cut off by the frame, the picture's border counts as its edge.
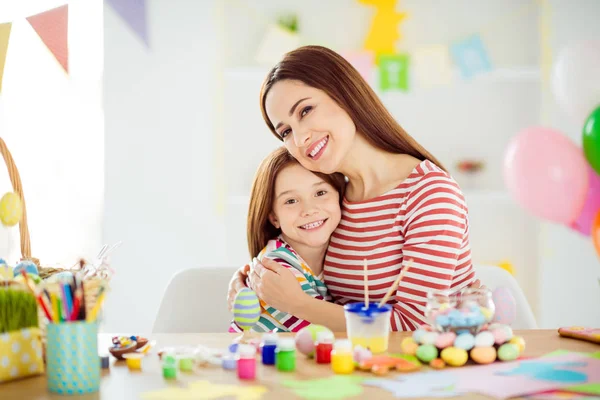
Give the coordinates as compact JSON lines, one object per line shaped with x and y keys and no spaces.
{"x":321,"y":192}
{"x":305,"y":111}
{"x":290,"y":201}
{"x":285,"y":133}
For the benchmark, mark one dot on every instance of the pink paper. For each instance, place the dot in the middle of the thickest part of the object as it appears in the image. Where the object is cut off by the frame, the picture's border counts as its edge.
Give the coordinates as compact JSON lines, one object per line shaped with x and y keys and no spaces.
{"x":363,"y":62}
{"x":518,"y":378}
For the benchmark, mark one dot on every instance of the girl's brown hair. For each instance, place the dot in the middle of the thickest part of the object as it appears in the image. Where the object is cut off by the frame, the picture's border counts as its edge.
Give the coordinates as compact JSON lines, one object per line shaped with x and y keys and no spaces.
{"x":324,"y":69}
{"x":260,"y":229}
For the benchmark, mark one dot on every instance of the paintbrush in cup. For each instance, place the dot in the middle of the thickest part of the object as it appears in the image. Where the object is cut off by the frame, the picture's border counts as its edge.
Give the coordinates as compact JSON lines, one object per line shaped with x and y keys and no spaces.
{"x":396,"y":283}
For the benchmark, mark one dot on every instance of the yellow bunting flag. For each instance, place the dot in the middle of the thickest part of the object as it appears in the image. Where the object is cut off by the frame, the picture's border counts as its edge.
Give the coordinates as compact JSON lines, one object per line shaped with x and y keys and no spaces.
{"x":383,"y":34}
{"x":4,"y":35}
{"x":52,"y":27}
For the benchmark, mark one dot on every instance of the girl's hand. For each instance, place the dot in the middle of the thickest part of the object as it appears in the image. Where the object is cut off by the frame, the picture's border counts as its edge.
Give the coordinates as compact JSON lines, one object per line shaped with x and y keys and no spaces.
{"x":237,"y":283}
{"x":276,"y":285}
{"x":477,"y":285}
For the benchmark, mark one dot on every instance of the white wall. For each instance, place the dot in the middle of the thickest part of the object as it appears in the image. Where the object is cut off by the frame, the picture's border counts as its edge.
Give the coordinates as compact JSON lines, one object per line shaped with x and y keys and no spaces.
{"x":174,"y":110}
{"x":159,"y":140}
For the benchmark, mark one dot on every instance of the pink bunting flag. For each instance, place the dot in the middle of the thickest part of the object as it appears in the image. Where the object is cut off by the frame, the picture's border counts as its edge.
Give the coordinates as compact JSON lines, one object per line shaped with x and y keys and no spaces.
{"x":52,"y":27}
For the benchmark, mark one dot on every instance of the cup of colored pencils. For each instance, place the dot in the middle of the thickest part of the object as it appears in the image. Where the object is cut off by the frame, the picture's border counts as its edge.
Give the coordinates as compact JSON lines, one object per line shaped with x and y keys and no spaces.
{"x":72,"y":361}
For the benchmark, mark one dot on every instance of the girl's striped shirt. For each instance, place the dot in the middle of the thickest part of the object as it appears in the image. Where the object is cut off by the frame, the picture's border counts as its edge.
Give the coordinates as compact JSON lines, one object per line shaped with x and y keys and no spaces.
{"x":271,"y":318}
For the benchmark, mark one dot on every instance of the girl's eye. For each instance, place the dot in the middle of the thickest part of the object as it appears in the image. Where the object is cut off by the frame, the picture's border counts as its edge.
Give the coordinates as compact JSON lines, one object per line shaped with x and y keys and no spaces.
{"x":305,"y":111}
{"x":285,"y":133}
{"x":290,"y":201}
{"x":321,"y":192}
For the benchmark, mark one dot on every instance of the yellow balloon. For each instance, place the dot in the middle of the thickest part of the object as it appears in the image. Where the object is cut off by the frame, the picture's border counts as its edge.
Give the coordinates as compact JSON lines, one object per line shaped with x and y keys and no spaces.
{"x":11,"y":209}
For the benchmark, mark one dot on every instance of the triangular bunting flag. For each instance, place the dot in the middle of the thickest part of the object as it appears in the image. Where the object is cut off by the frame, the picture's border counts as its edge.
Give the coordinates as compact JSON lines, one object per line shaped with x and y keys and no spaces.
{"x":134,"y":14}
{"x":4,"y":35}
{"x":52,"y":27}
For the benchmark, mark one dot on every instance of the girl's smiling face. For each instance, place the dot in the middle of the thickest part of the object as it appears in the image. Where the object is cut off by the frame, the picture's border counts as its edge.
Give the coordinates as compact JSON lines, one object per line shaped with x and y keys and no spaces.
{"x":305,"y":208}
{"x":314,"y":128}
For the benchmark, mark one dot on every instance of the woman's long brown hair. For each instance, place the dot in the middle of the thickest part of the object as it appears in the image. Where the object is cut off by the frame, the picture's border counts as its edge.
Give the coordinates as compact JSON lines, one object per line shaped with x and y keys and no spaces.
{"x":324,"y":69}
{"x":260,"y":229}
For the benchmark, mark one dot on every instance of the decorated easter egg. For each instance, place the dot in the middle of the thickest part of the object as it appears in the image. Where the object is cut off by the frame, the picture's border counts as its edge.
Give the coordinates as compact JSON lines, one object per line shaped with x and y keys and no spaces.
{"x":483,"y":355}
{"x":437,"y":363}
{"x":445,"y":339}
{"x":506,"y":306}
{"x":246,"y":309}
{"x":484,"y":339}
{"x":306,"y":338}
{"x":31,"y":277}
{"x":519,"y":342}
{"x":427,"y":352}
{"x":465,"y":341}
{"x":429,"y":338}
{"x":409,"y":346}
{"x":454,"y":356}
{"x":27,"y":266}
{"x":502,"y":333}
{"x":11,"y":209}
{"x":418,"y":335}
{"x":6,"y":272}
{"x":508,"y":352}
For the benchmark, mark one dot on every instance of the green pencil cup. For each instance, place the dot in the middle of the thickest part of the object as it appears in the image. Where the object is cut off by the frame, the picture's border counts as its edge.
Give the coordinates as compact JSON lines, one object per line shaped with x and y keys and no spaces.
{"x":72,"y":361}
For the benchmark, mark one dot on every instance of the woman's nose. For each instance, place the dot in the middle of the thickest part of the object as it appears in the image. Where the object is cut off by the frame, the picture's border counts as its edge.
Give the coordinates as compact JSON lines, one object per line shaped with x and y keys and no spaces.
{"x":302,"y":138}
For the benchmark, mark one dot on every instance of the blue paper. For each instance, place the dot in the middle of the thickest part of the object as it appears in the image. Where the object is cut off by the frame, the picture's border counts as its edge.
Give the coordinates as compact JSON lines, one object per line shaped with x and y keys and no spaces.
{"x":470,"y":56}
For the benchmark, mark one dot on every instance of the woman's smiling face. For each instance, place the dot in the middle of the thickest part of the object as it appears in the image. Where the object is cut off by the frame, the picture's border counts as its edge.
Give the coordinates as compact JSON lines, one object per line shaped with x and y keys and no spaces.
{"x":313,"y":127}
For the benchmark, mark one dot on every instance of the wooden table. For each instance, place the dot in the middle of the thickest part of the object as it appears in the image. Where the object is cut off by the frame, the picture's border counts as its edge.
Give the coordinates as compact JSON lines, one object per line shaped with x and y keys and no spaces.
{"x":120,"y":383}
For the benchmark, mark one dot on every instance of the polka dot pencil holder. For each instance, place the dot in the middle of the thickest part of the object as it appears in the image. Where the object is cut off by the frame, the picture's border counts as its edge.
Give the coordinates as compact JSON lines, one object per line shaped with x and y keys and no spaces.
{"x":72,"y":362}
{"x":20,"y":354}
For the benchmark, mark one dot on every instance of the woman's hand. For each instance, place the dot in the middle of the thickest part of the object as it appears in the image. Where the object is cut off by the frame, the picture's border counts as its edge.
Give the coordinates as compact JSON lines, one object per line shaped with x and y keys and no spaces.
{"x":276,"y":285}
{"x":237,"y":283}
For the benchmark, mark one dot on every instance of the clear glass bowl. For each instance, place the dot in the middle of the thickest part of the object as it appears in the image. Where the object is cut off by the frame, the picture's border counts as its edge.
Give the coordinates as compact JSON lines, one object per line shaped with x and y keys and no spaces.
{"x":468,"y":310}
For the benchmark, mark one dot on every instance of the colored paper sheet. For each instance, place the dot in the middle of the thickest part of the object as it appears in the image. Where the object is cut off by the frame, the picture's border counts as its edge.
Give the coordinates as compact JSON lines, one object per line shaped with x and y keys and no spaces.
{"x":202,"y":390}
{"x":517,"y":378}
{"x":52,"y":27}
{"x":133,"y":12}
{"x":383,"y":33}
{"x":432,"y":66}
{"x":393,"y":72}
{"x":334,"y":387}
{"x":426,"y":384}
{"x":363,"y":62}
{"x":4,"y":36}
{"x":471,"y":56}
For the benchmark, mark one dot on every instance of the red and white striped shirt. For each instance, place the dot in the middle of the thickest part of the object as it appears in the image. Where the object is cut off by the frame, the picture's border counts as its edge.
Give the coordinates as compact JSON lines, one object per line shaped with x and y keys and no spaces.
{"x":424,"y":219}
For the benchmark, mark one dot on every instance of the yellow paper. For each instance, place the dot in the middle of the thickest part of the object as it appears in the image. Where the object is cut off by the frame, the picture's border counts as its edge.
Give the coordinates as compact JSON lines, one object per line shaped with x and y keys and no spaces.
{"x":4,"y":36}
{"x":20,"y":354}
{"x":432,"y":66}
{"x":383,"y":34}
{"x":206,"y":390}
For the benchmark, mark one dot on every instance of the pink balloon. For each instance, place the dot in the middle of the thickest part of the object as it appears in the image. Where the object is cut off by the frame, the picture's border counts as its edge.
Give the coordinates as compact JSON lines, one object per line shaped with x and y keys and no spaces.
{"x":584,"y":221}
{"x":547,"y":174}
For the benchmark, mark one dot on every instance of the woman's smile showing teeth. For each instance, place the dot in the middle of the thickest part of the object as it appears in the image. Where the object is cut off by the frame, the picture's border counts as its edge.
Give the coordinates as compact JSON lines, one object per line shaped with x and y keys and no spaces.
{"x":316,"y":149}
{"x":313,"y":225}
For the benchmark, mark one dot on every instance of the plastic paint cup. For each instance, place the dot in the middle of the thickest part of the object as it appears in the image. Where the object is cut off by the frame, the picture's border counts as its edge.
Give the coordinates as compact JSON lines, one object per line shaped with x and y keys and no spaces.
{"x":369,"y":328}
{"x":134,"y":360}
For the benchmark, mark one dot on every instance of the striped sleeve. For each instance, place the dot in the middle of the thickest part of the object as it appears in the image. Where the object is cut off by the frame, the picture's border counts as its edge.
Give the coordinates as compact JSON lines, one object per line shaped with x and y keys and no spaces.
{"x":289,"y":321}
{"x":434,"y":225}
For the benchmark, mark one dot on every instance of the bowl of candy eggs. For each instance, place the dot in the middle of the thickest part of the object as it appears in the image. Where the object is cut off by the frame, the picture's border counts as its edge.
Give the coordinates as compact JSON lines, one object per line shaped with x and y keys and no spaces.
{"x":466,"y":311}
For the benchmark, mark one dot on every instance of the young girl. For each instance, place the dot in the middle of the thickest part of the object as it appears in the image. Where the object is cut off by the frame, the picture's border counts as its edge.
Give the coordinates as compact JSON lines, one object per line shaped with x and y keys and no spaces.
{"x":291,"y":217}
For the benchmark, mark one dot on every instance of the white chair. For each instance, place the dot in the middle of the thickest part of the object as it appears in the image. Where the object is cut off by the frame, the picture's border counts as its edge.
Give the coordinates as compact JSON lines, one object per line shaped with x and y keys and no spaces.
{"x":195,"y":301}
{"x":493,"y":277}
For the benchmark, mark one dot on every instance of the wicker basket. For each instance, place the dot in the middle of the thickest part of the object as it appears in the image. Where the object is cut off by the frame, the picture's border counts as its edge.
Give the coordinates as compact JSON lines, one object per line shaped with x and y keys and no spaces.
{"x":91,"y":286}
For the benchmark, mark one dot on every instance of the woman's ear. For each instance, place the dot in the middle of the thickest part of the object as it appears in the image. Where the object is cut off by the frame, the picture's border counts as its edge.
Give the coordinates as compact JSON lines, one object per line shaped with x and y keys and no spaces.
{"x":273,"y":220}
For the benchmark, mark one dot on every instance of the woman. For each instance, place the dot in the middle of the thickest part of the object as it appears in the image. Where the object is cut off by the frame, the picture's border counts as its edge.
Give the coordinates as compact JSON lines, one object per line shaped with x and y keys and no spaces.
{"x":400,"y":203}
